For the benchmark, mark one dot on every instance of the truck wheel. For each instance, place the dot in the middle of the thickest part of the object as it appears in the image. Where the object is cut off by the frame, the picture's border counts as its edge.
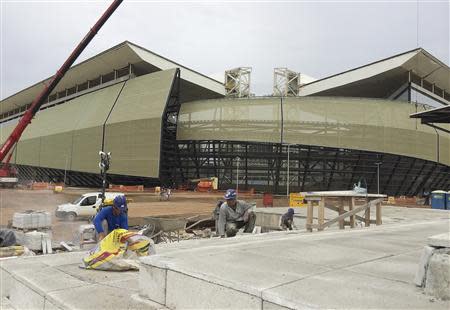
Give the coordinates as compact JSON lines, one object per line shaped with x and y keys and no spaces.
{"x":71,"y":216}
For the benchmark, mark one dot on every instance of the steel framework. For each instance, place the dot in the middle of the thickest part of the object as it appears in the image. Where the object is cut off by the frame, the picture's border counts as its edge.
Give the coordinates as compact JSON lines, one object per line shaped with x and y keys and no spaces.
{"x":237,"y":82}
{"x":168,"y":158}
{"x":263,"y":166}
{"x":285,"y":82}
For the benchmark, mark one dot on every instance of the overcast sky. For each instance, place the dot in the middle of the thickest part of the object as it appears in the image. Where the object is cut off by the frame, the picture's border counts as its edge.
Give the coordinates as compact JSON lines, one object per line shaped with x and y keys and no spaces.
{"x":312,"y":37}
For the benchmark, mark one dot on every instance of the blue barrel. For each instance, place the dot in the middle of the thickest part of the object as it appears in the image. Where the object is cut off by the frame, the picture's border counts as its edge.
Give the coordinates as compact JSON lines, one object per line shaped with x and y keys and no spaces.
{"x":438,"y":199}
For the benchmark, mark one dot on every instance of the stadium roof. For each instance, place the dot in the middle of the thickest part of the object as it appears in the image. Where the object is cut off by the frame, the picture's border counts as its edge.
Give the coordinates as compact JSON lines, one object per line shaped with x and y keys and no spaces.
{"x":438,"y":115}
{"x":115,"y":58}
{"x":382,"y":78}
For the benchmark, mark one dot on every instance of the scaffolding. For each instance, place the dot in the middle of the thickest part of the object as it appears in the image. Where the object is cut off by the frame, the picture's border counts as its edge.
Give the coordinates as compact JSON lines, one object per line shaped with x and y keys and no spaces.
{"x":237,"y":82}
{"x":286,"y":83}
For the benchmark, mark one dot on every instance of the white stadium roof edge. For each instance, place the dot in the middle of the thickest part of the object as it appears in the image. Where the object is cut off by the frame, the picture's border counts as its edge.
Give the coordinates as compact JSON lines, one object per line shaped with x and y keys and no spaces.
{"x":117,"y":57}
{"x":379,"y":79}
{"x":417,"y":61}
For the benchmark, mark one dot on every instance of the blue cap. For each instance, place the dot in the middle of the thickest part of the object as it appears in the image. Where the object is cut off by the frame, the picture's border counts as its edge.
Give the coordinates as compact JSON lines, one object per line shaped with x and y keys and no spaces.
{"x":291,"y":211}
{"x":230,"y":194}
{"x":120,"y":202}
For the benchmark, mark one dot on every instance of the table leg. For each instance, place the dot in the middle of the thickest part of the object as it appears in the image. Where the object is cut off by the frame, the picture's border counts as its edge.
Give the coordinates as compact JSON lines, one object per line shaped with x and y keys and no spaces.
{"x":350,"y":208}
{"x":341,"y":211}
{"x":367,"y":217}
{"x":321,"y":213}
{"x":309,"y":216}
{"x":378,"y":221}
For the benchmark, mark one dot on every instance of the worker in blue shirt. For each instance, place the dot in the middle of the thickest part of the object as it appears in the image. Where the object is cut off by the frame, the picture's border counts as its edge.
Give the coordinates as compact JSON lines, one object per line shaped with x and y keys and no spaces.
{"x":116,"y":217}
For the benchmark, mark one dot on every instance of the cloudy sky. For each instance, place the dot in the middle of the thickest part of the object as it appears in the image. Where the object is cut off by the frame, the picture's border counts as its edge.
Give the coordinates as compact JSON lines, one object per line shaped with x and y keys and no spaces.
{"x":318,"y":38}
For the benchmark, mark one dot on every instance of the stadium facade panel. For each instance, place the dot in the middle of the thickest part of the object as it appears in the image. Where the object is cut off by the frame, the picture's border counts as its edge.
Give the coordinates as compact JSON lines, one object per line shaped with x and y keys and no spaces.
{"x":167,"y":124}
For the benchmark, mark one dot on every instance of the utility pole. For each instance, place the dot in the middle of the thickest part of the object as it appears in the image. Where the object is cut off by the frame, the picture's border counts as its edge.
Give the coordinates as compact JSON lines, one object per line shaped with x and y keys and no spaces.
{"x":378,"y":176}
{"x":288,"y":177}
{"x":237,"y":175}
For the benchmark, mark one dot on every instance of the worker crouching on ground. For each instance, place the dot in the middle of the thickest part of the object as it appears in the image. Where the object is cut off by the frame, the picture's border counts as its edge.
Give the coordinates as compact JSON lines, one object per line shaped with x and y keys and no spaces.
{"x":287,"y":220}
{"x":235,"y":214}
{"x":115,"y":217}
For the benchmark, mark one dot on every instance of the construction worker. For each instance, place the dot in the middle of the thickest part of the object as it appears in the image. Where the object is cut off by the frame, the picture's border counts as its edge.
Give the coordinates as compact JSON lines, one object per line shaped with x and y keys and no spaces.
{"x":287,"y":220}
{"x":115,"y":216}
{"x":235,"y":214}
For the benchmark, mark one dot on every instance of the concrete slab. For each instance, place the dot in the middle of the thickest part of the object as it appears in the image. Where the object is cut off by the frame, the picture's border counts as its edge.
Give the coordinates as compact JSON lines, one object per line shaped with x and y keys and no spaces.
{"x":208,"y":295}
{"x":56,"y":282}
{"x":297,"y":270}
{"x":271,"y":306}
{"x":96,"y":296}
{"x":345,"y":289}
{"x":268,"y":271}
{"x":95,"y":276}
{"x":442,"y":240}
{"x":396,"y":267}
{"x":5,"y":304}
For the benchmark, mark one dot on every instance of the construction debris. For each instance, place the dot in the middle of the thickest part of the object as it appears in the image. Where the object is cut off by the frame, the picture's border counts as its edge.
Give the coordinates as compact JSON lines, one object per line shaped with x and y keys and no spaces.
{"x":66,"y":246}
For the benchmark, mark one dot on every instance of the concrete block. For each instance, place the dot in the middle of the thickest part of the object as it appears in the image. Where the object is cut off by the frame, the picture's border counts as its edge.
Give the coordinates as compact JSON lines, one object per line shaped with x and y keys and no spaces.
{"x":442,"y":240}
{"x":152,"y":283}
{"x":184,"y":292}
{"x":32,"y":219}
{"x":34,"y":240}
{"x":421,"y":272}
{"x":438,"y":275}
{"x":271,"y":306}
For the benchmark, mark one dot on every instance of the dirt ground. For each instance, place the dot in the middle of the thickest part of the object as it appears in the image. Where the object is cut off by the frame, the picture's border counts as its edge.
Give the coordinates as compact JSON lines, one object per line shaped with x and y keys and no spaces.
{"x":181,"y":205}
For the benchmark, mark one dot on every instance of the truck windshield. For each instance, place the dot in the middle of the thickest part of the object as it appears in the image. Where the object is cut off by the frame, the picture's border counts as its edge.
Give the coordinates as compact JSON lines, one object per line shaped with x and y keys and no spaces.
{"x":77,"y":201}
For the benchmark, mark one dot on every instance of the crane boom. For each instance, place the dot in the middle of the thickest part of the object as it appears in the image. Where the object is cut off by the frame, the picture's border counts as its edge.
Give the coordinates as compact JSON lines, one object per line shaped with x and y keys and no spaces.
{"x":39,"y":100}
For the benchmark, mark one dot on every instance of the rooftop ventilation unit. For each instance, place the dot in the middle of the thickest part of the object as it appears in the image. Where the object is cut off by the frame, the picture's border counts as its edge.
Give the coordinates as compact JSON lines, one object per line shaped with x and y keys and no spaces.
{"x":237,"y":82}
{"x":286,"y":83}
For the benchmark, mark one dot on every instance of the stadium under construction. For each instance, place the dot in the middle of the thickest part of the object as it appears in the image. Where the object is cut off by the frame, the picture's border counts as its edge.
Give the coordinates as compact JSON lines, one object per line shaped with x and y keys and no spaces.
{"x":166,"y":124}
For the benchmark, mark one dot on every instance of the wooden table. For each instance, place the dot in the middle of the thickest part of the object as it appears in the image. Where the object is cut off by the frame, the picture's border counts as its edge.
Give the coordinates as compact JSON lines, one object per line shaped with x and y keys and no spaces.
{"x":345,"y":199}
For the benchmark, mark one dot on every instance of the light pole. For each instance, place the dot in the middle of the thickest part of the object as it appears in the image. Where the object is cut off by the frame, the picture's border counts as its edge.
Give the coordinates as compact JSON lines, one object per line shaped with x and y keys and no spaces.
{"x":237,"y":175}
{"x":65,"y":171}
{"x":288,"y":164}
{"x":378,"y":176}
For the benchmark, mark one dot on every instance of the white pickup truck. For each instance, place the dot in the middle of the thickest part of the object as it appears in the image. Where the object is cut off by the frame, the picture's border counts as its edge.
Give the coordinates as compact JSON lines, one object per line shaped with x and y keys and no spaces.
{"x":84,"y":206}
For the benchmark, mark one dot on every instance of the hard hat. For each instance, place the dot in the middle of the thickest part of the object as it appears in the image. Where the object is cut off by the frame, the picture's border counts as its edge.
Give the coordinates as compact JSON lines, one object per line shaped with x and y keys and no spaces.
{"x":230,"y":194}
{"x":120,"y":202}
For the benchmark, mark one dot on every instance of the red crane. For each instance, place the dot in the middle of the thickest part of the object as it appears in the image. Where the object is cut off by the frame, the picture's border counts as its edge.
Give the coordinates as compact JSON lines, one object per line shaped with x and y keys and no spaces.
{"x":9,"y":173}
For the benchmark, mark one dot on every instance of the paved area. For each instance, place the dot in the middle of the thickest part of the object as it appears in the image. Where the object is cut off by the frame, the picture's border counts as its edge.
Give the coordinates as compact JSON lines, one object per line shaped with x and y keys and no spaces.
{"x":361,"y":268}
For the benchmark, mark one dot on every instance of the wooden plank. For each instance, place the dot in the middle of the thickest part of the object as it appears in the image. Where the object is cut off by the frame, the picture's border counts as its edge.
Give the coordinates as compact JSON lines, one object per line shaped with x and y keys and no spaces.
{"x":378,"y":213}
{"x":350,"y":208}
{"x":321,"y":213}
{"x":341,"y":211}
{"x":348,"y":193}
{"x":309,"y":216}
{"x":367,"y":217}
{"x":351,"y":212}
